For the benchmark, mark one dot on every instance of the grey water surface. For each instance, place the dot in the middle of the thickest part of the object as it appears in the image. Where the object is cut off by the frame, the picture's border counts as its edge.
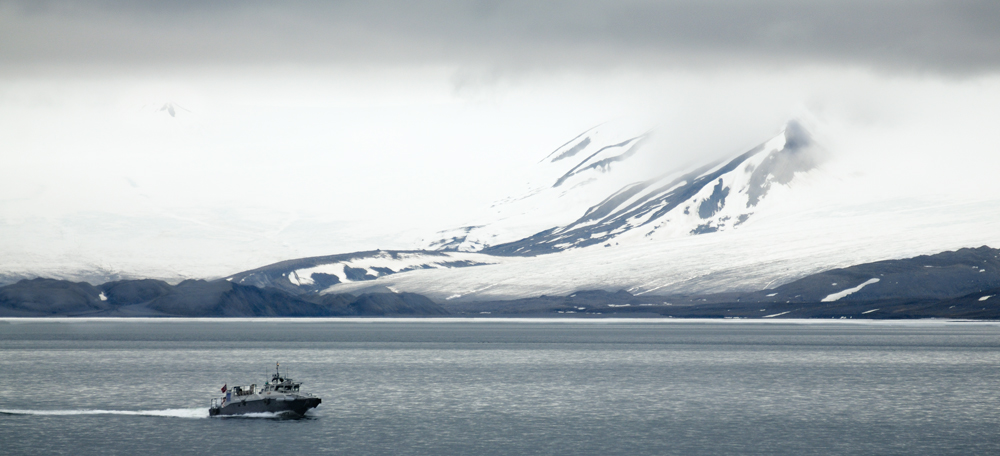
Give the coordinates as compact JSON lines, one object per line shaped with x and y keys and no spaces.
{"x":482,"y":388}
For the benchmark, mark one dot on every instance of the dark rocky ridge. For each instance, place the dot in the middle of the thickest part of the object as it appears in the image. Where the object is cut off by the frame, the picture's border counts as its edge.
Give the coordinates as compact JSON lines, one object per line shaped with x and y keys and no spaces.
{"x":36,"y":297}
{"x":944,"y":275}
{"x":961,"y":284}
{"x":382,"y":304}
{"x":196,"y":298}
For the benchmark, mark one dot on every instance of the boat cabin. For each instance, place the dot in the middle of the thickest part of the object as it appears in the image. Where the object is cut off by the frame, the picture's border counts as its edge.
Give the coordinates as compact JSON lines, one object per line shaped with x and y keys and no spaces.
{"x":245,"y":390}
{"x":279,"y":384}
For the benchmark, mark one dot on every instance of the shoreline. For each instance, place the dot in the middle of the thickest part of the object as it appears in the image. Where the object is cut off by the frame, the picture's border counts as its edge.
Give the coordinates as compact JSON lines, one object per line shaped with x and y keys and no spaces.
{"x":534,"y":320}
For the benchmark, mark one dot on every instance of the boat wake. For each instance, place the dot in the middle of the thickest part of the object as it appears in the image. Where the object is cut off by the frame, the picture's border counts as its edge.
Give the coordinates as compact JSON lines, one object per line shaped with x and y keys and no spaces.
{"x":176,"y":413}
{"x":266,"y":415}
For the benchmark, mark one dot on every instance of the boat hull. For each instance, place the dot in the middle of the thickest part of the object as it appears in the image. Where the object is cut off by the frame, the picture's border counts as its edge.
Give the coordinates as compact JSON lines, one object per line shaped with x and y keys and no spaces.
{"x":297,"y":406}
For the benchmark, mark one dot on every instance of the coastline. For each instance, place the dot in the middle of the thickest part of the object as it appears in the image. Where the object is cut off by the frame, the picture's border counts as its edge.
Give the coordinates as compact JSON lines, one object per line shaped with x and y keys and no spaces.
{"x":535,"y":320}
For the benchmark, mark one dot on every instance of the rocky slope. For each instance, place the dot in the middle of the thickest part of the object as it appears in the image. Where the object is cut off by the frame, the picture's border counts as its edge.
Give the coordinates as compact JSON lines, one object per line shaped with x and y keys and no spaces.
{"x":196,"y":298}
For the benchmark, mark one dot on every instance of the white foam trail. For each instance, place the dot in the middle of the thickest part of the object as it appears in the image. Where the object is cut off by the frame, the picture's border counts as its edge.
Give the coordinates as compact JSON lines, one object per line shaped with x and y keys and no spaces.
{"x":256,"y":415}
{"x":177,"y":413}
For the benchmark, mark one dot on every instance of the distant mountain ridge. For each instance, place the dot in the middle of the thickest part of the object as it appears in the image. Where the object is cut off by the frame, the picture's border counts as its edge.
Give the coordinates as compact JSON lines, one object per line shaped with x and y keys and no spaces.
{"x":955,"y":284}
{"x":196,"y":298}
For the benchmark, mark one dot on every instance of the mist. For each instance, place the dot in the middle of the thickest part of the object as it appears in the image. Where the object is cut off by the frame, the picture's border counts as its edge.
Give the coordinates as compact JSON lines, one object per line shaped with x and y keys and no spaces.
{"x":191,"y":139}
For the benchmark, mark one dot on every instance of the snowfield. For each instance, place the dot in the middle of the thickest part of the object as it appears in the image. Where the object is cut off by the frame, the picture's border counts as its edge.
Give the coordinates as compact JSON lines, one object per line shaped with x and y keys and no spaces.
{"x":782,"y":243}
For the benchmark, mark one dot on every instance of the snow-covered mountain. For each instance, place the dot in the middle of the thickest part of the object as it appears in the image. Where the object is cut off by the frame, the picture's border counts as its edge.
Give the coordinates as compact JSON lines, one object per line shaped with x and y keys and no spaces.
{"x":586,"y":199}
{"x":558,"y":189}
{"x":588,"y":192}
{"x":714,"y":197}
{"x":595,"y":215}
{"x":760,"y":219}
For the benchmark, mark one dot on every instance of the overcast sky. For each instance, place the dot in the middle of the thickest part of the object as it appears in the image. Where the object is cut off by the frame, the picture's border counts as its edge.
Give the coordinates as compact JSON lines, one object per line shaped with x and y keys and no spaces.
{"x":307,"y":128}
{"x":959,"y":37}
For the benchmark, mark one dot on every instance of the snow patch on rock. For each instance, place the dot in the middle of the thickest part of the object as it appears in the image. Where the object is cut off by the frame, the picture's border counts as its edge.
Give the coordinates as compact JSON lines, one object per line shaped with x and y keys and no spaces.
{"x":841,"y":294}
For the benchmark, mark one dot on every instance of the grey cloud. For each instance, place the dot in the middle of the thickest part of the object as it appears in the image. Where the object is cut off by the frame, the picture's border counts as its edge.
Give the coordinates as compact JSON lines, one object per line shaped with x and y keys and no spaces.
{"x":951,"y":37}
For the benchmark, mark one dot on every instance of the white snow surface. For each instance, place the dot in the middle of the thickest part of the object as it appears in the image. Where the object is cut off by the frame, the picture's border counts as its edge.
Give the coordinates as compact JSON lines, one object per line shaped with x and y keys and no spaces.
{"x":844,"y":293}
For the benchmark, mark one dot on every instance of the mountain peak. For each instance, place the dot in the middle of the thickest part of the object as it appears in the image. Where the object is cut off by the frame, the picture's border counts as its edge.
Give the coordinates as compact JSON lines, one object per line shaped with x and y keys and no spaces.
{"x":796,"y":135}
{"x":714,"y":197}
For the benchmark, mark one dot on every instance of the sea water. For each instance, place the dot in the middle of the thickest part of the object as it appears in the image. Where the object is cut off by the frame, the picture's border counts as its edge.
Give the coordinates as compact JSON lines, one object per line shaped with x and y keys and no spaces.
{"x":511,"y":387}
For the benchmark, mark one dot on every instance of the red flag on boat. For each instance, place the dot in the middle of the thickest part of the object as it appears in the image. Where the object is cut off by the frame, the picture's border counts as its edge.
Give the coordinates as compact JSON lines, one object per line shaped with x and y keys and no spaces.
{"x":224,"y":388}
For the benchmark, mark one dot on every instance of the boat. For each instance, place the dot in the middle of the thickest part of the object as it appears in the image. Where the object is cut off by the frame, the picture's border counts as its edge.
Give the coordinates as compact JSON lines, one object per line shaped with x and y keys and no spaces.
{"x":281,"y":395}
